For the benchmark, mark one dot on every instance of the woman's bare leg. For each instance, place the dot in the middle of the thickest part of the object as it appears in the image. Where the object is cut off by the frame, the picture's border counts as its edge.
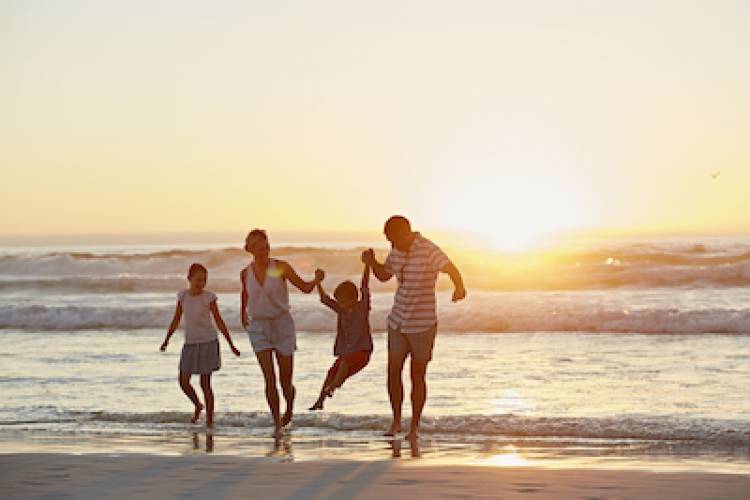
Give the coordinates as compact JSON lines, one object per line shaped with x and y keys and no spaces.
{"x":286,"y":369}
{"x":184,"y":379}
{"x":208,"y":397}
{"x":265,"y":360}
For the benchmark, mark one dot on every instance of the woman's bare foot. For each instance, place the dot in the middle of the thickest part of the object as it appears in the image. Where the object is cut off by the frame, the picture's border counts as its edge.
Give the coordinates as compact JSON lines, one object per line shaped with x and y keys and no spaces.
{"x":287,"y":417}
{"x":394,"y":429}
{"x":278,"y":431}
{"x":197,"y":413}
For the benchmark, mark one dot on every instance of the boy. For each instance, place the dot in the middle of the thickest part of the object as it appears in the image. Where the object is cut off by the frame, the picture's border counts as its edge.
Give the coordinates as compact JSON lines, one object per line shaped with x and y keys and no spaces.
{"x":353,"y":345}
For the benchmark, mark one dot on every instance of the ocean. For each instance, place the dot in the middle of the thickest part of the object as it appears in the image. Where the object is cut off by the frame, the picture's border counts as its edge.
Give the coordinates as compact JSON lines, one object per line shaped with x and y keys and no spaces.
{"x":634,"y":350}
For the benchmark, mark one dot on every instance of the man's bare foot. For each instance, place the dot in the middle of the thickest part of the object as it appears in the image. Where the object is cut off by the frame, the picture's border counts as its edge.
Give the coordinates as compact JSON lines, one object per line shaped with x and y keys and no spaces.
{"x":287,"y":418}
{"x":393,"y":430}
{"x":413,"y":434}
{"x":317,"y":406}
{"x":197,"y":413}
{"x":209,"y":424}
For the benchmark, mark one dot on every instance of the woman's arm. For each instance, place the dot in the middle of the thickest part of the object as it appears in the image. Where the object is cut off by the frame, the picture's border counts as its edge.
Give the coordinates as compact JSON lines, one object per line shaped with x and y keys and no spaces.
{"x":304,"y":286}
{"x":222,"y":327}
{"x":172,"y":326}
{"x":243,"y":299}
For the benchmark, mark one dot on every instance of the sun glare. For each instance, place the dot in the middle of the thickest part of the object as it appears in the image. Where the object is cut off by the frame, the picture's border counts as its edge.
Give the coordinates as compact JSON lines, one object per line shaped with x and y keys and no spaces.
{"x":514,"y":213}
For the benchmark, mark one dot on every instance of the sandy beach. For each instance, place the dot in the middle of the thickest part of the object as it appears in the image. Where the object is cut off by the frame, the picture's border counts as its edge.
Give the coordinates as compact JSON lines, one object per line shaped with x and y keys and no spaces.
{"x":149,"y":476}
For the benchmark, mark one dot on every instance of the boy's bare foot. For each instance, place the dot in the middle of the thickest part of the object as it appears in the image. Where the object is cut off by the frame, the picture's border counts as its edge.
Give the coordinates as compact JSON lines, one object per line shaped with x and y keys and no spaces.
{"x":197,"y":413}
{"x":317,"y":406}
{"x":393,"y":430}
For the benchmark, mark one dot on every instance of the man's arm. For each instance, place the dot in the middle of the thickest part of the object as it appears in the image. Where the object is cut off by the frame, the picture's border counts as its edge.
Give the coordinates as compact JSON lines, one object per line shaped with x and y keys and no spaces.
{"x":459,"y":292}
{"x":378,"y":269}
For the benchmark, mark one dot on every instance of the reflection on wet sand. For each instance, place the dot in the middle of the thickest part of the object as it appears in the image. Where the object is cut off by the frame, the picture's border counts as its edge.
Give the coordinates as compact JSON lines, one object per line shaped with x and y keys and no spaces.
{"x":282,"y":448}
{"x":209,"y":442}
{"x":395,"y":446}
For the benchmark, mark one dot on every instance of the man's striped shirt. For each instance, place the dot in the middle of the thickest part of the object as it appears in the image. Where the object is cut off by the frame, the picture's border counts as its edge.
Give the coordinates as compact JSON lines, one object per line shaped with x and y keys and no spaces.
{"x":414,"y":307}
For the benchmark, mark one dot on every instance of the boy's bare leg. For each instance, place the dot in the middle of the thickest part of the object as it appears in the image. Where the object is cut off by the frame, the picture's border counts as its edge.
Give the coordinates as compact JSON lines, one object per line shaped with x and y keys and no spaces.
{"x":395,"y":389}
{"x":208,"y":397}
{"x":323,"y":393}
{"x":338,"y":379}
{"x":418,"y":396}
{"x":265,"y":359}
{"x":184,"y":379}
{"x":286,"y":369}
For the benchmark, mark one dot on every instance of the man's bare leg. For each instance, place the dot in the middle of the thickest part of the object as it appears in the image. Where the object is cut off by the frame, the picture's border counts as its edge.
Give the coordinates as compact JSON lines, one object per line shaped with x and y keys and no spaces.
{"x":418,"y":395}
{"x":395,"y":389}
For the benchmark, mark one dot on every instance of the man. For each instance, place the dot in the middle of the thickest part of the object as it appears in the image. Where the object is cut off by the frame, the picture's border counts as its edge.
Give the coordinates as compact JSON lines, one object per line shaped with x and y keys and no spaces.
{"x":412,"y":324}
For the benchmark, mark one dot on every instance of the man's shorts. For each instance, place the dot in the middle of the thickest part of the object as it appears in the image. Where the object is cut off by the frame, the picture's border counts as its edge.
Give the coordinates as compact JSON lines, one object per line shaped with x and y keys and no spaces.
{"x":419,"y":344}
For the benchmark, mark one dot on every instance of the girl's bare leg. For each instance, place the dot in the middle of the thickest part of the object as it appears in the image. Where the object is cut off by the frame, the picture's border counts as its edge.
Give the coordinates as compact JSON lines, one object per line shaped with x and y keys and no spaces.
{"x":208,"y":397}
{"x":286,"y":369}
{"x":184,"y":379}
{"x":265,"y":360}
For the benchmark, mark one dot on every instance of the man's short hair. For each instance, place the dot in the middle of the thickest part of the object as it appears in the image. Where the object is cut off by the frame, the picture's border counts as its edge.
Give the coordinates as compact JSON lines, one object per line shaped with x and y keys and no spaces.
{"x":397,"y":224}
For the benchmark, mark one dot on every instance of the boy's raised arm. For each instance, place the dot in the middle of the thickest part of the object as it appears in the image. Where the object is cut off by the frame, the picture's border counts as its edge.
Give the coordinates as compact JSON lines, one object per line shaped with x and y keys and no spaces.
{"x":378,"y":269}
{"x":326,"y":299}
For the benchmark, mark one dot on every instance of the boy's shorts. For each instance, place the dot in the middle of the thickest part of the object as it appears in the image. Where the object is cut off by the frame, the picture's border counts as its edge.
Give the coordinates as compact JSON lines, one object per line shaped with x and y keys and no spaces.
{"x":419,"y":344}
{"x":354,"y":360}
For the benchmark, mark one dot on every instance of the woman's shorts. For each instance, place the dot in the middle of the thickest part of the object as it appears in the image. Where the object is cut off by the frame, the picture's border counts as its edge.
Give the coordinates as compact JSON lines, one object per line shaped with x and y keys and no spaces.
{"x":200,"y":359}
{"x":277,"y":333}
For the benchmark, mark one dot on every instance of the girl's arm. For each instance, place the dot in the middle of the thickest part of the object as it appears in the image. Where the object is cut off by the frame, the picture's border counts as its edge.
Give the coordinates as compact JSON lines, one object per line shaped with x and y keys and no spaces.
{"x":172,"y":326}
{"x":243,"y":300}
{"x":303,"y":286}
{"x":222,"y":327}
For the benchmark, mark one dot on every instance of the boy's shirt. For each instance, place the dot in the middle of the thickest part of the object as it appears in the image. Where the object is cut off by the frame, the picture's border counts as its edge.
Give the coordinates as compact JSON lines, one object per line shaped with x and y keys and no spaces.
{"x":353,"y":325}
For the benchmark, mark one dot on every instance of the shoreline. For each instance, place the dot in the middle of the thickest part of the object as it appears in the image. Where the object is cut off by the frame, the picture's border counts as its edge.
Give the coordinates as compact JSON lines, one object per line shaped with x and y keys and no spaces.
{"x":30,"y":475}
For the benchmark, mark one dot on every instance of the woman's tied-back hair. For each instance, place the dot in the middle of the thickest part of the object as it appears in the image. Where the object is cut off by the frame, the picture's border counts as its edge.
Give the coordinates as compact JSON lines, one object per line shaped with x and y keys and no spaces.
{"x":195,"y":267}
{"x":257,"y":233}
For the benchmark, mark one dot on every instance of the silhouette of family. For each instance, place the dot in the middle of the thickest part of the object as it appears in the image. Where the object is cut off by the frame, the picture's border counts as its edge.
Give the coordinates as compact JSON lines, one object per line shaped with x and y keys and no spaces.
{"x":414,"y":260}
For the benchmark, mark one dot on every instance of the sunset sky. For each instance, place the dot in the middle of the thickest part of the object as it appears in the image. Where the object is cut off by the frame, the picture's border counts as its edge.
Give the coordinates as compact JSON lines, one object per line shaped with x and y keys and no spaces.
{"x":497,"y":117}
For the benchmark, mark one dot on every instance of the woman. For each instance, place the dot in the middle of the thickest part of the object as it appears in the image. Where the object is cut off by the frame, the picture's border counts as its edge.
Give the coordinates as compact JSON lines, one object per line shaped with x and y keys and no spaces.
{"x":265,"y":299}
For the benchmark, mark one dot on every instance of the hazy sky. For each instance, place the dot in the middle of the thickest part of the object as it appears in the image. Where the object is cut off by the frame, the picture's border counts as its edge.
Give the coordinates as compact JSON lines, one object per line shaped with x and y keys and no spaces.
{"x":500,"y":117}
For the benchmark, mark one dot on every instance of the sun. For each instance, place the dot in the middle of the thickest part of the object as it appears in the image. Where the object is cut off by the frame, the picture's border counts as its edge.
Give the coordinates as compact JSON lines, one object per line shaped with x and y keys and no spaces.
{"x":513,"y":213}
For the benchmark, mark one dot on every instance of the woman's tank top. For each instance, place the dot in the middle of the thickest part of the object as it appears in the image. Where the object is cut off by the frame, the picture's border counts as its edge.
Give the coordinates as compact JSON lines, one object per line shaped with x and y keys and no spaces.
{"x":272,"y":298}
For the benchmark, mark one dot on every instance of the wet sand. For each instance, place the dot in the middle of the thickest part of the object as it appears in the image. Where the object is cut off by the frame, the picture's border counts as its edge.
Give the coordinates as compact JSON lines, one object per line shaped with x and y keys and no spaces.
{"x":212,"y":476}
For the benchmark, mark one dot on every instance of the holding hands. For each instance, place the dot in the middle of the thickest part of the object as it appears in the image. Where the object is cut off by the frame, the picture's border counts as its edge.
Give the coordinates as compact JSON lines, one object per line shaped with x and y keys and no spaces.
{"x":319,"y":276}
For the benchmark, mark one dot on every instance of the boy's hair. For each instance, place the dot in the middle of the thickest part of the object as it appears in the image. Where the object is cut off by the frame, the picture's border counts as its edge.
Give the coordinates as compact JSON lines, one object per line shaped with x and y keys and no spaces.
{"x":195,"y":268}
{"x":346,"y":289}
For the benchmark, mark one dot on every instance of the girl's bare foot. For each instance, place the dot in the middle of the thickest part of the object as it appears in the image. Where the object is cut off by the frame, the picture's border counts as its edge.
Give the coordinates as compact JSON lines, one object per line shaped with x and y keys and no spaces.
{"x":197,"y":413}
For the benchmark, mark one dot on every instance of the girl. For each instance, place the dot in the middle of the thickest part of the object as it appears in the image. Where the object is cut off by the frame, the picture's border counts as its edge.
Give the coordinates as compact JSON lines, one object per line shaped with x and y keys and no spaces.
{"x":200,"y":353}
{"x":265,"y":299}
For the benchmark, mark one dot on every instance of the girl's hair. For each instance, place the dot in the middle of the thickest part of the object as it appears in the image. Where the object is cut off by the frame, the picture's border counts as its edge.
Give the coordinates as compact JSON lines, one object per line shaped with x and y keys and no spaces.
{"x":194,"y":268}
